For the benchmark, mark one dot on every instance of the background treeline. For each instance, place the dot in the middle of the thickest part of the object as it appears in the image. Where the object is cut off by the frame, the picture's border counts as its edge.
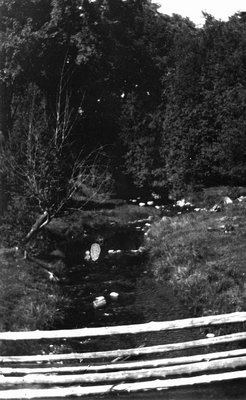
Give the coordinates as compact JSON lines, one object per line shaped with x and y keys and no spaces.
{"x":163,"y":100}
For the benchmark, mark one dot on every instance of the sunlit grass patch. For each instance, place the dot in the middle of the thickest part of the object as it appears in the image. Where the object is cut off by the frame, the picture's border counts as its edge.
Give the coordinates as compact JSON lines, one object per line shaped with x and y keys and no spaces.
{"x":203,"y":257}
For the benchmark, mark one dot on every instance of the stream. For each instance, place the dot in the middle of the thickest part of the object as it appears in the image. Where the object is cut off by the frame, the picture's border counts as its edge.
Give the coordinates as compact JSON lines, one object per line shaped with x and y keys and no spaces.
{"x":121,"y":270}
{"x":112,"y":278}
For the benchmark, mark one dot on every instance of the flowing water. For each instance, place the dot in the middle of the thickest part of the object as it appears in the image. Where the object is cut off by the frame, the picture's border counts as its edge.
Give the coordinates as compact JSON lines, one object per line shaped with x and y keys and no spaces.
{"x":121,"y":268}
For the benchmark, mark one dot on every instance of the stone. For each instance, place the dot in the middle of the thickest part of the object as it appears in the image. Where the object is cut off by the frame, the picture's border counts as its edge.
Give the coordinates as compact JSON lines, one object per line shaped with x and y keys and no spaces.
{"x":215,"y":208}
{"x":87,"y":255}
{"x":241,"y":199}
{"x":99,"y":302}
{"x":227,"y":200}
{"x":95,"y":251}
{"x":114,"y":295}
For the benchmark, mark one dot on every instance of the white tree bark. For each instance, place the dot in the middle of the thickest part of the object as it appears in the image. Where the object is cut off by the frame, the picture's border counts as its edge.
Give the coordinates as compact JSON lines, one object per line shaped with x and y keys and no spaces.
{"x":127,"y":329}
{"x":159,"y":384}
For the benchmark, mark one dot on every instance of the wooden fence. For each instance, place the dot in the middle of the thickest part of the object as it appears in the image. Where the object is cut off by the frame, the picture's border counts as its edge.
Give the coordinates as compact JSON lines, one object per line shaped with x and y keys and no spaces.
{"x":101,"y":372}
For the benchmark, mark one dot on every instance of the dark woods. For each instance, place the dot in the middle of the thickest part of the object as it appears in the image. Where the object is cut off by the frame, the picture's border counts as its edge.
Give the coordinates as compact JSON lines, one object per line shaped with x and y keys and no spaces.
{"x":112,"y":93}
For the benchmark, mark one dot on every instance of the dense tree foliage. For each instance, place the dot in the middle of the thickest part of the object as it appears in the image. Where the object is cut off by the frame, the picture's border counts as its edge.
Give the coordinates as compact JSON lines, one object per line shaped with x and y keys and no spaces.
{"x":165,"y":98}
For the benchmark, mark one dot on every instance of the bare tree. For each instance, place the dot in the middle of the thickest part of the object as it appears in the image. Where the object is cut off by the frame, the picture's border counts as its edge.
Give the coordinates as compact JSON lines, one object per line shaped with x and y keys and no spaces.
{"x":39,"y":159}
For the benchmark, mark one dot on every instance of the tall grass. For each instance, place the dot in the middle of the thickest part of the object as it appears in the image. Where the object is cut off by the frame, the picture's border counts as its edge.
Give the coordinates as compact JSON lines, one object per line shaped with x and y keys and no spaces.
{"x":28,"y":301}
{"x":203,"y":257}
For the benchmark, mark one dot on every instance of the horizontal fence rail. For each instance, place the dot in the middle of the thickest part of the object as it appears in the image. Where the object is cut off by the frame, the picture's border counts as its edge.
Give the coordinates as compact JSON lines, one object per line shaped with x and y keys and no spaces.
{"x":139,"y":351}
{"x":70,"y":375}
{"x":137,"y":374}
{"x":123,"y":365}
{"x":158,"y":384}
{"x":127,"y":329}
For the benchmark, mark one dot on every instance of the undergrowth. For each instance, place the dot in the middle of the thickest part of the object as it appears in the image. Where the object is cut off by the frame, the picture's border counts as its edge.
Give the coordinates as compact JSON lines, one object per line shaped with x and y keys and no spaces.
{"x":28,"y":300}
{"x":202,"y":256}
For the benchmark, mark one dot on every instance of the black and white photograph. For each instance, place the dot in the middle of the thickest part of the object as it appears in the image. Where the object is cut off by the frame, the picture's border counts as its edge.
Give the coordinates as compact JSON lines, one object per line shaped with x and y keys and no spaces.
{"x":123,"y":199}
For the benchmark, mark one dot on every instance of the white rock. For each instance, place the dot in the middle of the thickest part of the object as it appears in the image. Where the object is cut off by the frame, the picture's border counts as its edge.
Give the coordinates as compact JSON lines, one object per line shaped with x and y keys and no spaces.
{"x":227,"y":200}
{"x":141,"y":204}
{"x":150,"y":203}
{"x":215,"y":208}
{"x":87,"y":255}
{"x":210,"y":335}
{"x":241,"y":198}
{"x":181,"y":203}
{"x":155,"y":196}
{"x":184,"y":203}
{"x":99,"y":302}
{"x":95,"y":251}
{"x":114,"y":295}
{"x":157,"y":207}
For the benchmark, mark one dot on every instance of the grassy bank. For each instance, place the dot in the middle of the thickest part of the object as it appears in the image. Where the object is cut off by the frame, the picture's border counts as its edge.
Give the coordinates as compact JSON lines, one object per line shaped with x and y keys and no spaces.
{"x":28,"y":299}
{"x":201,"y":255}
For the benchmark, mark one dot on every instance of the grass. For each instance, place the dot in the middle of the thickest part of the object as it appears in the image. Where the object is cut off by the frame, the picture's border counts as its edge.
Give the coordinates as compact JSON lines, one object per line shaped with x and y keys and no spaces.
{"x":202,"y":256}
{"x":28,"y":301}
{"x":196,"y":264}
